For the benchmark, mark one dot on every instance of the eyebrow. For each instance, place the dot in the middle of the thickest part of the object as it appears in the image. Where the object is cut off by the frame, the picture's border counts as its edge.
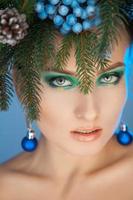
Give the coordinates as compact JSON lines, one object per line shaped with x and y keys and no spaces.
{"x":113,"y":66}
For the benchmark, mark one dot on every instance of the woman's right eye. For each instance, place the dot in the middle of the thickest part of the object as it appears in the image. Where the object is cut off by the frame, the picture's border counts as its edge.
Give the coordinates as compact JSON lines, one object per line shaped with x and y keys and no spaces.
{"x":59,"y":82}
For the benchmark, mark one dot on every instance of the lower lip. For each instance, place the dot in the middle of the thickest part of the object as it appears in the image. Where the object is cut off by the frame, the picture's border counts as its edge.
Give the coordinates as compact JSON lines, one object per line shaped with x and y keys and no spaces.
{"x":86,"y":137}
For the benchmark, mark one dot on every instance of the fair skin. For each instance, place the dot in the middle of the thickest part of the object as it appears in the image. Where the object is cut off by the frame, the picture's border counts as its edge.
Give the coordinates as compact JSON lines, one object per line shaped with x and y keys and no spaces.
{"x":64,"y":165}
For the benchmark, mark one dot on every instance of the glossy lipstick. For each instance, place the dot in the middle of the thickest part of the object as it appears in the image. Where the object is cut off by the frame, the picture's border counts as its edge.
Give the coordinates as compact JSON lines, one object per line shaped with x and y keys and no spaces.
{"x":86,"y":137}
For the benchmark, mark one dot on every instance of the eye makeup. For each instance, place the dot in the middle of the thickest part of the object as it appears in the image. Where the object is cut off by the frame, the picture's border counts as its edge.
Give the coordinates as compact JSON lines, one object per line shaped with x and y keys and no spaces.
{"x":117,"y":74}
{"x":54,"y":80}
{"x":65,"y":81}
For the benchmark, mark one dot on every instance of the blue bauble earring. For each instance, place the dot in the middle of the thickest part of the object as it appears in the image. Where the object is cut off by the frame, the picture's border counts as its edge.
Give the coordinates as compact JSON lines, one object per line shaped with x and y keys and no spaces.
{"x":124,"y":137}
{"x":29,"y":142}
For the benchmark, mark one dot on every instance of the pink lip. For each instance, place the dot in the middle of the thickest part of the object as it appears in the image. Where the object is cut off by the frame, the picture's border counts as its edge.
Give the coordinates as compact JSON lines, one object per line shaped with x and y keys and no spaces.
{"x":86,"y":137}
{"x":86,"y":129}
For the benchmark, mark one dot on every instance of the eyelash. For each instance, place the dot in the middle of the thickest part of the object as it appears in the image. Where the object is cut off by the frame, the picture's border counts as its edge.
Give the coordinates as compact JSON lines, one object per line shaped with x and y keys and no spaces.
{"x":51,"y":80}
{"x":118,"y":75}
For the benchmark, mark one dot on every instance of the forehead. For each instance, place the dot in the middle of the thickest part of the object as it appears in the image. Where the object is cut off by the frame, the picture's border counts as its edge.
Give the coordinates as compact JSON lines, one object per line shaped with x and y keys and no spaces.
{"x":117,"y":55}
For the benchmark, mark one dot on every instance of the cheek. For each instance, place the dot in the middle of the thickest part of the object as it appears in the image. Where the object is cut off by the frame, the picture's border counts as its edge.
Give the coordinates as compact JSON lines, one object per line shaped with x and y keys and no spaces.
{"x":56,"y":106}
{"x":112,"y":103}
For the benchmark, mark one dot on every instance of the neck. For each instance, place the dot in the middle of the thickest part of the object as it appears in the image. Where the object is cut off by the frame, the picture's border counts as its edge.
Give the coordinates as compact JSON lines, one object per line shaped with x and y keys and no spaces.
{"x":51,"y":160}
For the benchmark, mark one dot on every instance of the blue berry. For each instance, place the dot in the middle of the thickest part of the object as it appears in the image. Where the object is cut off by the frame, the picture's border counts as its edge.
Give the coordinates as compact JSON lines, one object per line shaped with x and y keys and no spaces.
{"x":50,"y":9}
{"x":63,"y":32}
{"x":66,"y":26}
{"x":67,"y":2}
{"x":39,"y":7}
{"x":50,"y":17}
{"x":43,"y":15}
{"x":92,"y":21}
{"x":54,"y":2}
{"x":90,"y":10}
{"x":63,"y":10}
{"x":84,"y":14}
{"x":91,"y":2}
{"x":71,"y":19}
{"x":78,"y":11}
{"x":81,"y":1}
{"x":74,"y":4}
{"x":77,"y":28}
{"x":87,"y":24}
{"x":58,"y":20}
{"x":97,"y":21}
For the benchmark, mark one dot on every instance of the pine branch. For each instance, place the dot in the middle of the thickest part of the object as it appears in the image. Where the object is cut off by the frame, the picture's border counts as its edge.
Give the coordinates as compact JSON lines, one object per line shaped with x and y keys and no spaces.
{"x":6,"y":85}
{"x":85,"y":63}
{"x":28,"y":8}
{"x":44,"y":48}
{"x":6,"y":90}
{"x":28,"y":74}
{"x":108,"y":31}
{"x":63,"y":53}
{"x":27,"y":79}
{"x":8,"y":3}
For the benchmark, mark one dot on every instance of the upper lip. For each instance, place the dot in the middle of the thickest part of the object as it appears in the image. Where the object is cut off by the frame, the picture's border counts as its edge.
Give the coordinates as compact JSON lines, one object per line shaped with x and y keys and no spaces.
{"x":86,"y":129}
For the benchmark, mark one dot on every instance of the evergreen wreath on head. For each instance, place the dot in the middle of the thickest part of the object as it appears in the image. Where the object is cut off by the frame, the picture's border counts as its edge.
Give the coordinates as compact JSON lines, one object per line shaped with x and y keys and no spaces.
{"x":28,"y":29}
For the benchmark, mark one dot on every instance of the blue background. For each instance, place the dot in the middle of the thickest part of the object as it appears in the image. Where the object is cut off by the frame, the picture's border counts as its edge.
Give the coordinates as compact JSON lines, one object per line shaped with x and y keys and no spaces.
{"x":13,"y":128}
{"x":13,"y":124}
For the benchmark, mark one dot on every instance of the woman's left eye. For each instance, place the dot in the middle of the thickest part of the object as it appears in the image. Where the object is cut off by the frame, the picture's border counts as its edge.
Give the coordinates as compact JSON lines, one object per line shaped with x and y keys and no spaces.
{"x":59,"y":82}
{"x":112,"y":78}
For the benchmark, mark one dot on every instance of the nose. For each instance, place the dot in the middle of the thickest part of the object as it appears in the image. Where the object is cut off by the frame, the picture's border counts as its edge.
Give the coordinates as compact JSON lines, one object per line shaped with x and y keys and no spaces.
{"x":87,"y":107}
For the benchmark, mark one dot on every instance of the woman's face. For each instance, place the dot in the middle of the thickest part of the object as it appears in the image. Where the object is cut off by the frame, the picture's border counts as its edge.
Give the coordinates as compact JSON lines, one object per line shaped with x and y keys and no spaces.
{"x":64,"y":108}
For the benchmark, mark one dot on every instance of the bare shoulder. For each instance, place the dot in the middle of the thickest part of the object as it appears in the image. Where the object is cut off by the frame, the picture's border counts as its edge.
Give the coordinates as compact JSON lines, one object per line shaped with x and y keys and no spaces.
{"x":12,"y":175}
{"x":12,"y":166}
{"x":14,"y":159}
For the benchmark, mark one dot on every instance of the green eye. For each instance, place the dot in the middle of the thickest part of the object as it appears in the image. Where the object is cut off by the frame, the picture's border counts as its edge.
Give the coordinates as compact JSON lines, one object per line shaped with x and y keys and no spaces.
{"x":111,"y":78}
{"x":60,"y":81}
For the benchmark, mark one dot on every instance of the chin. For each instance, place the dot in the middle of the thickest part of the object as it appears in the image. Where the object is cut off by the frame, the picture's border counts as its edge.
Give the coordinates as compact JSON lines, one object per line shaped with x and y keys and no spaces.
{"x":84,"y":152}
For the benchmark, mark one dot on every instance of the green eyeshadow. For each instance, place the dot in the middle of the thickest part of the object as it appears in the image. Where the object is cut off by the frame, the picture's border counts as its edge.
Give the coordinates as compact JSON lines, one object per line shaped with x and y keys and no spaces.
{"x":50,"y":77}
{"x":117,"y":72}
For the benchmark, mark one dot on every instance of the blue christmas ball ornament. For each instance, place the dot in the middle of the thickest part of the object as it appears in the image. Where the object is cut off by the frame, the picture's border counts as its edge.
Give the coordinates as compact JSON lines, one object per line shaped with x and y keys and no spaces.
{"x":43,"y":15}
{"x":123,"y":136}
{"x":29,"y":144}
{"x":58,"y":20}
{"x":77,"y":28}
{"x":71,"y":19}
{"x":39,"y":7}
{"x":50,"y":9}
{"x":78,"y":11}
{"x":67,"y":2}
{"x":63,"y":10}
{"x":54,"y":2}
